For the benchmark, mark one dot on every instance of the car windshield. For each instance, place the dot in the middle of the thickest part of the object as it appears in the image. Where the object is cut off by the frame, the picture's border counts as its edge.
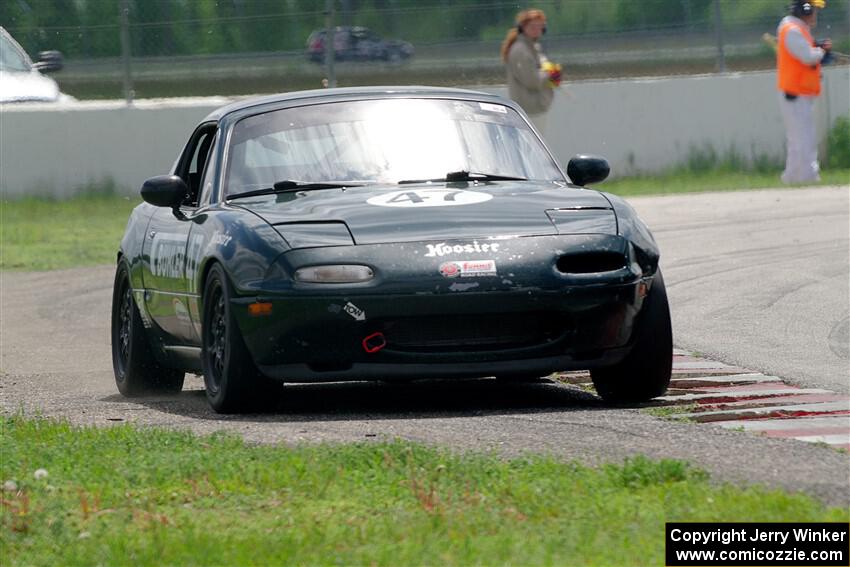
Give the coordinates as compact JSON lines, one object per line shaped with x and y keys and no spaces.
{"x":384,"y":141}
{"x":11,"y":56}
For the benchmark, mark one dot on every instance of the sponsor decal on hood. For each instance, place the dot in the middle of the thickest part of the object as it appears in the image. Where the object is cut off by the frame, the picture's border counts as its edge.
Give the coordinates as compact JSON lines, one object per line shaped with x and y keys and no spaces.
{"x":441,"y":249}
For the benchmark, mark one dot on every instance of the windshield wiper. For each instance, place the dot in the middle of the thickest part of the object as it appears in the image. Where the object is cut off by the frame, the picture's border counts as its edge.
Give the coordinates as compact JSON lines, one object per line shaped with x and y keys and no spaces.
{"x":290,"y":185}
{"x":465,"y":176}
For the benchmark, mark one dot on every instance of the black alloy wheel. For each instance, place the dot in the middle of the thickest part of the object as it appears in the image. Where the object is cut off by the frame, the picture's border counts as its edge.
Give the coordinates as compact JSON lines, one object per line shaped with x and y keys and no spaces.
{"x":233,"y":382}
{"x":218,"y":340}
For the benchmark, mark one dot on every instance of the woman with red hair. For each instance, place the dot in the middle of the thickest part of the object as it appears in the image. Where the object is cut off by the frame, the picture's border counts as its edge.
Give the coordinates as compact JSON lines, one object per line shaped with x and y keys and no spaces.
{"x":531,"y":76}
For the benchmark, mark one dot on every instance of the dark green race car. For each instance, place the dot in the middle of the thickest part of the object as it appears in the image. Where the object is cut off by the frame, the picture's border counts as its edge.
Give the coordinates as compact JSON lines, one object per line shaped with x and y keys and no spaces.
{"x":382,"y":234}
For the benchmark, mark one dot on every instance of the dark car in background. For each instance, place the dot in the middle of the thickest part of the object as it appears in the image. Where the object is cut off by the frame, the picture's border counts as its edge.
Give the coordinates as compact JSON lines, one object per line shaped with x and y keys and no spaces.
{"x":383,"y":234}
{"x":357,"y":44}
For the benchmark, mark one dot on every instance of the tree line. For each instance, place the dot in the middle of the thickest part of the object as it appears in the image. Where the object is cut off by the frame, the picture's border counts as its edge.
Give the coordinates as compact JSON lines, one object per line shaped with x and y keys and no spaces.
{"x":91,"y":28}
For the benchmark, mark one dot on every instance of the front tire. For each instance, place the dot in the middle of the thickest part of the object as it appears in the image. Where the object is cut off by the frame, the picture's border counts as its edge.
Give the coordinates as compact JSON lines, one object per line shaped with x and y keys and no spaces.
{"x":233,"y":382}
{"x":137,"y":371}
{"x":645,"y":372}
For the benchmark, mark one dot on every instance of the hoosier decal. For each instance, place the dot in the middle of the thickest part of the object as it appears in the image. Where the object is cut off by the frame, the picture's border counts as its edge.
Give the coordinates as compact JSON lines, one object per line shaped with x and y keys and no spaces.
{"x":441,"y":249}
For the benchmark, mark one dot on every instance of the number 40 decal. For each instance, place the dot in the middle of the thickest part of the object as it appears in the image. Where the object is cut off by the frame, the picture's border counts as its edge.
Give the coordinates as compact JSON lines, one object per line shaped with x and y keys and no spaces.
{"x":429,"y":198}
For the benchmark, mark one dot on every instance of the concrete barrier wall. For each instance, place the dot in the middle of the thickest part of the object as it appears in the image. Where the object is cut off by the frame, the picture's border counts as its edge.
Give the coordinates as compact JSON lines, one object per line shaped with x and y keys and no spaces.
{"x":641,"y":125}
{"x":61,"y":150}
{"x":648,"y":125}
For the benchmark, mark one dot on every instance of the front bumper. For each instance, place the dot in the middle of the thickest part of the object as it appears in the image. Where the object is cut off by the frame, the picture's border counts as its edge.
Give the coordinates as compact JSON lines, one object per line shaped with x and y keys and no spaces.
{"x":530,"y":318}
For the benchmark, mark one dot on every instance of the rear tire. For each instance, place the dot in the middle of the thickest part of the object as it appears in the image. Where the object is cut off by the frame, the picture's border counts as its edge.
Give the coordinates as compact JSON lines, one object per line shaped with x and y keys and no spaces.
{"x":233,"y":382}
{"x":137,"y":371}
{"x":645,"y":372}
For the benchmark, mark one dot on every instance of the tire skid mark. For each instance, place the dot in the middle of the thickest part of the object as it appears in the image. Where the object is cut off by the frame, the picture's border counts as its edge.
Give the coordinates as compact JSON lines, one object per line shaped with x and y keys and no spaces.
{"x":763,"y":256}
{"x":756,"y":257}
{"x":838,"y":339}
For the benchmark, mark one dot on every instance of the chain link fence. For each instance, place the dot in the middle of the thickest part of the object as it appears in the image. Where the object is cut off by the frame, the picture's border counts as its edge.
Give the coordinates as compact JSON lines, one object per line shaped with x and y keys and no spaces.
{"x":142,"y":48}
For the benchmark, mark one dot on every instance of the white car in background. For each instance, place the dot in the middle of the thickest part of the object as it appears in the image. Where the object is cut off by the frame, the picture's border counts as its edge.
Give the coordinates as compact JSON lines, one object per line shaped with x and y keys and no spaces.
{"x":21,"y":80}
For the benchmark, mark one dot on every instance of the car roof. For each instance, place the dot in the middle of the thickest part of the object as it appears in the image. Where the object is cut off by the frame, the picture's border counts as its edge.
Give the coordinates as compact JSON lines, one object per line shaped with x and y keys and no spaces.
{"x":283,"y":100}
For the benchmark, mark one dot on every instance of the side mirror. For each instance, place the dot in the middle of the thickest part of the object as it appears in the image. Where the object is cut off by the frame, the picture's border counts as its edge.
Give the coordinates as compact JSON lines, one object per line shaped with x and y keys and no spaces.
{"x":584,"y":170}
{"x":49,"y":61}
{"x":165,"y":191}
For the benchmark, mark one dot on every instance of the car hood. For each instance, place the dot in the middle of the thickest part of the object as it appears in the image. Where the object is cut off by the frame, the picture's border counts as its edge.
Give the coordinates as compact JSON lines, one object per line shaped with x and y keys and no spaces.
{"x":17,"y":86}
{"x":392,"y":213}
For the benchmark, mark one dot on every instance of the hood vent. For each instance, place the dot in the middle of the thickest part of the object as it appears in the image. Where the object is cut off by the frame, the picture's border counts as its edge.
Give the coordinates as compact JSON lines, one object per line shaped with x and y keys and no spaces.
{"x":587,"y":220}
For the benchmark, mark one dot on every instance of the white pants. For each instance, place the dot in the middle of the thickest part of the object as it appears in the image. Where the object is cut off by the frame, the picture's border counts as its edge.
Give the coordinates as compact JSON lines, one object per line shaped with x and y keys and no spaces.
{"x":801,"y":162}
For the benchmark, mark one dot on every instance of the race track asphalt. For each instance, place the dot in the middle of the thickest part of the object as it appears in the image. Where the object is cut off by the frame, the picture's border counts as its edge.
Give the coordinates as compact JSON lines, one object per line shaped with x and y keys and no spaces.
{"x":760,"y":278}
{"x":770,"y":252}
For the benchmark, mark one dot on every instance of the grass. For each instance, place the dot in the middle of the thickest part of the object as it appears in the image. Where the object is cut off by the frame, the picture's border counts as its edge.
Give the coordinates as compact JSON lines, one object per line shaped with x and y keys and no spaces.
{"x":127,"y":495}
{"x":670,"y":411}
{"x":39,"y":234}
{"x":703,"y":181}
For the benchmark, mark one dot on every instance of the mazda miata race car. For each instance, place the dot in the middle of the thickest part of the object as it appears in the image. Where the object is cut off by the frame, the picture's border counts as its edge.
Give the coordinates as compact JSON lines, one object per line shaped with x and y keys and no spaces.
{"x":383,"y":234}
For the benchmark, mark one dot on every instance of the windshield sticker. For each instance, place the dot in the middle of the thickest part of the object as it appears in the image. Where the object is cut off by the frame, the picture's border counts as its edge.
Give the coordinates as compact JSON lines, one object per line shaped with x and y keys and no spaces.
{"x":441,"y":249}
{"x":468,"y":268}
{"x":493,"y":107}
{"x":429,"y":198}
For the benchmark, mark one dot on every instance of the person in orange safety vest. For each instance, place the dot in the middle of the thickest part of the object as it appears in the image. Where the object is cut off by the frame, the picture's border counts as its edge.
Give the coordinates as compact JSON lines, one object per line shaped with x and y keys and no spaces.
{"x":798,"y":63}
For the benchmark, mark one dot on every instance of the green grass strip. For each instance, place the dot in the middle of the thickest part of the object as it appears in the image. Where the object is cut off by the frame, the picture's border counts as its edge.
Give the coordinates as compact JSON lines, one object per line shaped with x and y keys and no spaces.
{"x":40,"y":234}
{"x":137,"y":496}
{"x":705,"y":181}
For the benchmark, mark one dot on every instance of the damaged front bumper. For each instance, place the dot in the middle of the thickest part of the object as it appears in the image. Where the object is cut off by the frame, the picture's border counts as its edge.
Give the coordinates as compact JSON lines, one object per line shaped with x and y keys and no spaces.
{"x":528,"y":315}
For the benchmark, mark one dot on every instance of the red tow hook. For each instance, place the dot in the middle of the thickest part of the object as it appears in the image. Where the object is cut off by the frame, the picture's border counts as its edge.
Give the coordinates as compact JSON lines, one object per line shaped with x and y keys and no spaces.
{"x":374,"y":342}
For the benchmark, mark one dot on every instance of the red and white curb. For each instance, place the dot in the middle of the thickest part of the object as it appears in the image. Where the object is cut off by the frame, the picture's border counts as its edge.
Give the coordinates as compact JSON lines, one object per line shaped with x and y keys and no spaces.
{"x":736,"y":398}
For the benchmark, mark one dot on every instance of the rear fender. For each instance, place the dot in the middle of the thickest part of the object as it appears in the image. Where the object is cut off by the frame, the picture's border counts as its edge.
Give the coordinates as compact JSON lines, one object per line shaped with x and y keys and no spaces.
{"x":130,"y":249}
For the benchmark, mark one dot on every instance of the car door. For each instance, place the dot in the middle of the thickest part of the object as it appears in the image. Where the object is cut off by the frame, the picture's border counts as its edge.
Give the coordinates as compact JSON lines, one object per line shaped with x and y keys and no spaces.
{"x":169,"y":255}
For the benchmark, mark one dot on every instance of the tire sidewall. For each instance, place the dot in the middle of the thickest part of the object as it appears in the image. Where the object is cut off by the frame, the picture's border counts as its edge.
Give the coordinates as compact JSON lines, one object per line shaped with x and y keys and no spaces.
{"x":140,"y":373}
{"x":230,"y":392}
{"x":122,"y":369}
{"x":646,"y":371}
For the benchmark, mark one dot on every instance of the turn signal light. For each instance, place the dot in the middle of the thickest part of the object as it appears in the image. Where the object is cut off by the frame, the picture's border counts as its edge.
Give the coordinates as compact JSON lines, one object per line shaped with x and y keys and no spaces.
{"x":259,"y":309}
{"x":340,"y":273}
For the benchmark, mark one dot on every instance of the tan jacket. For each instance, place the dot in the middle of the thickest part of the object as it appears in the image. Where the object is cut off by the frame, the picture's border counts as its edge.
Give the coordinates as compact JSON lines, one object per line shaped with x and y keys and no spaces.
{"x":527,"y":84}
